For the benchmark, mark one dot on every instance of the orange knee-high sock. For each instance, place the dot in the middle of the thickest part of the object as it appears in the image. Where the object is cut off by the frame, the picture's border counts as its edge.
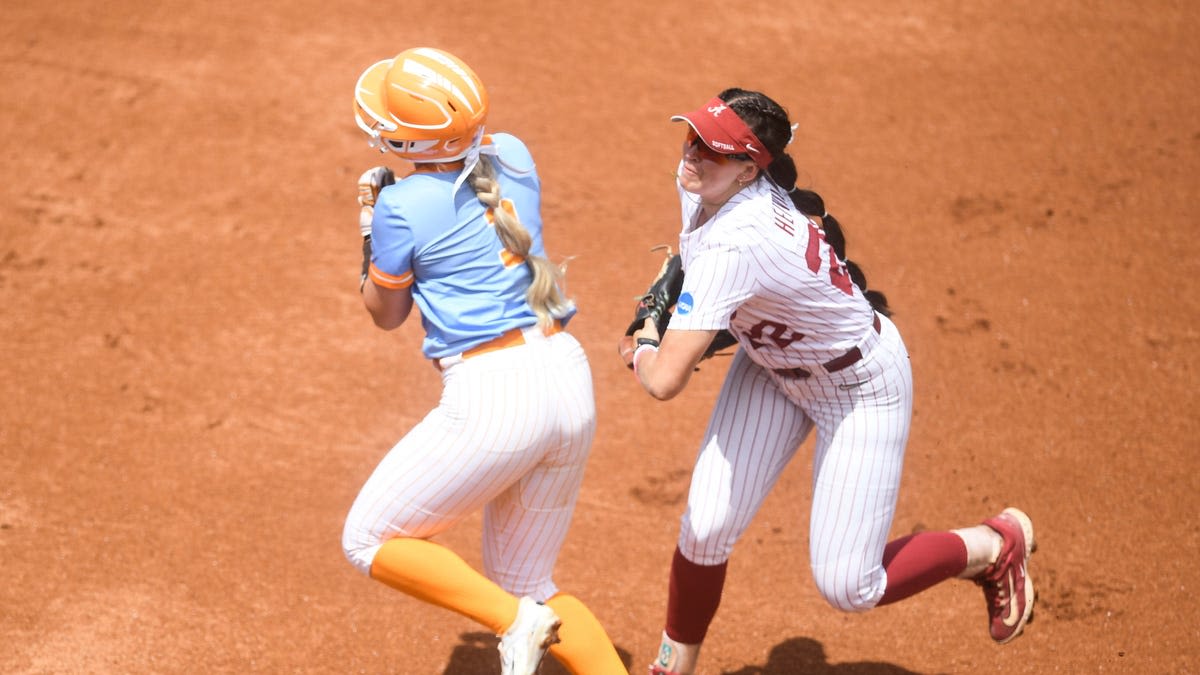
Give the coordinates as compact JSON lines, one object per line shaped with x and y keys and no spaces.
{"x":435,"y":574}
{"x":585,"y":648}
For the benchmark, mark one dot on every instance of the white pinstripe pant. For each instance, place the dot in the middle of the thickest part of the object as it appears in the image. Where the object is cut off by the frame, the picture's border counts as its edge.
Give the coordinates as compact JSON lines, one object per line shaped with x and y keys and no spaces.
{"x":511,"y":435}
{"x":760,"y":420}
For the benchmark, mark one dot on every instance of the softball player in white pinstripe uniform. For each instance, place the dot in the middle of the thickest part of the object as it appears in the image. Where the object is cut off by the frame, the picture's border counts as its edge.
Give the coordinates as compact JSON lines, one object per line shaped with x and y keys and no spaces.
{"x":461,"y":237}
{"x":817,"y":352}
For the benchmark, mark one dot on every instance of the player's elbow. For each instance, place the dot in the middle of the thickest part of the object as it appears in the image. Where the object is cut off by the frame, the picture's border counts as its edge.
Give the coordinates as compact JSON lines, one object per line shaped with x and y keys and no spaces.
{"x":386,"y":321}
{"x":389,"y":307}
{"x":665,"y":387}
{"x":663,"y":393}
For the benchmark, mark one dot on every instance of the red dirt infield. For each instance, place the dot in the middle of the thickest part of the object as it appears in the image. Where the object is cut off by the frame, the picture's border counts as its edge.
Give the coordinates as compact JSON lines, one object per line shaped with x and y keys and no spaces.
{"x":191,"y":393}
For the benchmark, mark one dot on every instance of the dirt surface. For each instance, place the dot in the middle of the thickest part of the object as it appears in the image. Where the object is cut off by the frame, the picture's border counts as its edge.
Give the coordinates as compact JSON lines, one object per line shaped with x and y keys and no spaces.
{"x":191,"y":393}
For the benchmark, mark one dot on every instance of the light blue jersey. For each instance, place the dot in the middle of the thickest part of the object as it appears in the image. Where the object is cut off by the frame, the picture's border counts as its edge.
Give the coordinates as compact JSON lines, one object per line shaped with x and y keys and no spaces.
{"x":469,"y":289}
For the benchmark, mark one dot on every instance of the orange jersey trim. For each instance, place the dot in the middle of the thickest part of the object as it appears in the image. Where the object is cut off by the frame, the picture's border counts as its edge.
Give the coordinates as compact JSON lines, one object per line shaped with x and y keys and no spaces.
{"x":386,"y":280}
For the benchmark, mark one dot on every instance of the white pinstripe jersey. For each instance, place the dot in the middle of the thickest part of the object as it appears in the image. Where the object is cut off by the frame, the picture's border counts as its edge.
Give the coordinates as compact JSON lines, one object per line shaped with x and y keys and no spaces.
{"x":763,"y":270}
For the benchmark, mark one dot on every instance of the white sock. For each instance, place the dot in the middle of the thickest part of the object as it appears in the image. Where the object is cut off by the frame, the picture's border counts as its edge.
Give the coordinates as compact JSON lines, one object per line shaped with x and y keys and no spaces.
{"x":677,"y":657}
{"x":983,"y":547}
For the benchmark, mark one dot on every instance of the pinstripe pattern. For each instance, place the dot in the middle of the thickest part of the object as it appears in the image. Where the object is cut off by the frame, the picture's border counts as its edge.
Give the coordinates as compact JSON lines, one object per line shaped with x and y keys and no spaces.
{"x":763,"y":270}
{"x":758,"y":423}
{"x":747,"y":273}
{"x":511,"y":435}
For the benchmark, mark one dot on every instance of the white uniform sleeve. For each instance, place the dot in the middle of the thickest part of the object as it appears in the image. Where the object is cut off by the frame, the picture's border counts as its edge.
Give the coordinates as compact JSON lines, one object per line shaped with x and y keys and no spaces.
{"x":716,"y":283}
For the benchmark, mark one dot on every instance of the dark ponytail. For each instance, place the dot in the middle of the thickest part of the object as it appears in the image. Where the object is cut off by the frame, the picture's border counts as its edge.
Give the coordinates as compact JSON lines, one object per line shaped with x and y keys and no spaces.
{"x":770,"y":123}
{"x":810,"y":204}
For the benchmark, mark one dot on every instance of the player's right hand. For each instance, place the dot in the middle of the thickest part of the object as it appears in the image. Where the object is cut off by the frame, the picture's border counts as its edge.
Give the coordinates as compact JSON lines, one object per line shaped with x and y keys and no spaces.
{"x":625,"y":349}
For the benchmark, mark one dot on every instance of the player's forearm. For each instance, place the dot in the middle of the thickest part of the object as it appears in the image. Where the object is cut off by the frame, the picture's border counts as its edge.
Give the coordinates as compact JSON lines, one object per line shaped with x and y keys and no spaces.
{"x":665,"y":370}
{"x":663,"y":383}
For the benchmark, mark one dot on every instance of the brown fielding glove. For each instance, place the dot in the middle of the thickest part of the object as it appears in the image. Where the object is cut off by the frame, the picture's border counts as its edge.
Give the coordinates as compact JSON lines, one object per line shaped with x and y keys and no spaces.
{"x":660,"y":297}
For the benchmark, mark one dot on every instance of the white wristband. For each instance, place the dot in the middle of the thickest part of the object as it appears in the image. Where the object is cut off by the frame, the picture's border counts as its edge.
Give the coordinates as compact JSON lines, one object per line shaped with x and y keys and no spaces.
{"x":642,"y":349}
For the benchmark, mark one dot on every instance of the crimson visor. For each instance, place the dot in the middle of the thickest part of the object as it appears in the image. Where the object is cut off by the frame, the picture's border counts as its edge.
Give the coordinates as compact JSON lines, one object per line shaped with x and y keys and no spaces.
{"x":723,"y":131}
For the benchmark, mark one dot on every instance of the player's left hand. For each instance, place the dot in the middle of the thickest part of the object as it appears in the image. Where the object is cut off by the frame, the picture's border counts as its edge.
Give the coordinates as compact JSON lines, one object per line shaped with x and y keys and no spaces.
{"x":369,"y":184}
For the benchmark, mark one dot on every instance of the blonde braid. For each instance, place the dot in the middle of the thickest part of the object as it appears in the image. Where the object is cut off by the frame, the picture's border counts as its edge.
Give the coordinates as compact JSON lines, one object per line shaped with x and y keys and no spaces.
{"x":543,"y":294}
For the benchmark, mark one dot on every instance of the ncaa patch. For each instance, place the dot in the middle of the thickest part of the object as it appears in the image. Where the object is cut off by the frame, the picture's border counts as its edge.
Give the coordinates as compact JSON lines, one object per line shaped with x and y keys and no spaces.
{"x":684,"y":304}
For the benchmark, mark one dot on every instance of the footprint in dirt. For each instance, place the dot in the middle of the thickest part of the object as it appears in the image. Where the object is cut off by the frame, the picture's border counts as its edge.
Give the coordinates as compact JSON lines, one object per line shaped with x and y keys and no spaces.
{"x":669,"y":489}
{"x":962,"y":315}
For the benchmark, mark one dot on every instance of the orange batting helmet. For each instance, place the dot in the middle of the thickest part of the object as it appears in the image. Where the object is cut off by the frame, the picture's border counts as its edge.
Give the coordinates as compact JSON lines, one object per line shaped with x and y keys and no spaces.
{"x":424,"y":105}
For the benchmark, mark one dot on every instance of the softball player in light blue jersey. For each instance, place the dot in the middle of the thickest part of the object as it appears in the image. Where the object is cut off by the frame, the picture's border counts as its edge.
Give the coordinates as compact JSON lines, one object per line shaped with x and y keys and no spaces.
{"x":469,"y":287}
{"x":461,"y":238}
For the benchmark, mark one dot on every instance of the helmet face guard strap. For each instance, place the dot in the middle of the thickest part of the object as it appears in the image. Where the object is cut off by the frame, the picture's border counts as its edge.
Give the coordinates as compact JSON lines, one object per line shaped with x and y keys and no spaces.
{"x":471,"y":157}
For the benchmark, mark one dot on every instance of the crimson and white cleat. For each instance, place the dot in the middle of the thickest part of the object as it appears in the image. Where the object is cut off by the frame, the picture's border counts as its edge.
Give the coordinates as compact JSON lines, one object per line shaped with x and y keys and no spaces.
{"x":656,"y":669}
{"x":1006,"y":583}
{"x":525,"y":642}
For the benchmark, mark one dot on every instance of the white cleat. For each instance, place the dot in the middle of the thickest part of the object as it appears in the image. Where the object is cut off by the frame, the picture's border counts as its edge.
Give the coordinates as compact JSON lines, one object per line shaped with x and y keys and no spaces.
{"x":525,"y":642}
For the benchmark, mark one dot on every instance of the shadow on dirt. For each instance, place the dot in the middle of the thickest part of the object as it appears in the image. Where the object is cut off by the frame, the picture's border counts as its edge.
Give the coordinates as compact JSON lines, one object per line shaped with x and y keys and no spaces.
{"x":477,"y":654}
{"x":803,"y":655}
